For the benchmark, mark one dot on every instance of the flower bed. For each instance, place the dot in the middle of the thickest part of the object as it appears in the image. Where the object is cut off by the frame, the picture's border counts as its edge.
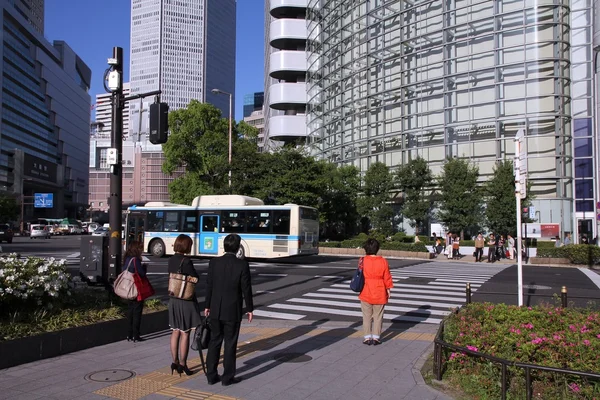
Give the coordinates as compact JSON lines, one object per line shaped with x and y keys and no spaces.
{"x":37,"y":296}
{"x":566,"y":338}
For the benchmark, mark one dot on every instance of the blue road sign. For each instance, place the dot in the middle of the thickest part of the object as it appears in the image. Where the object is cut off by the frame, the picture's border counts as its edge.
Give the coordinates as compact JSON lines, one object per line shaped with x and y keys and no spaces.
{"x":43,"y":200}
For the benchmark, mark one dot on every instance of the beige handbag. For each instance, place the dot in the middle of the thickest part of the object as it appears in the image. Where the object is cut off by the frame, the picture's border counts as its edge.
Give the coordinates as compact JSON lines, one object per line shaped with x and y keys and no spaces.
{"x":182,"y":286}
{"x":124,"y":285}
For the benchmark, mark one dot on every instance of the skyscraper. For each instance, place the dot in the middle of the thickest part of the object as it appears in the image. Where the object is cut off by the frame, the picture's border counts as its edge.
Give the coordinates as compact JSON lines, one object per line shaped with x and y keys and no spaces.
{"x":186,"y":48}
{"x":32,"y":11}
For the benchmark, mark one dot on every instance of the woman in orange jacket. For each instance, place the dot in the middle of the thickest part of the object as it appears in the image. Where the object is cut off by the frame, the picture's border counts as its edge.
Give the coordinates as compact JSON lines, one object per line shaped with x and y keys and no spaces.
{"x":375,"y":293}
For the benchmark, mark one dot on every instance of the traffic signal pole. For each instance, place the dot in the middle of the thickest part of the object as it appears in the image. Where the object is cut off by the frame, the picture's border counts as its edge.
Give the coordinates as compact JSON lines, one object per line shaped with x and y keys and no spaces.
{"x":114,"y":84}
{"x":115,"y":200}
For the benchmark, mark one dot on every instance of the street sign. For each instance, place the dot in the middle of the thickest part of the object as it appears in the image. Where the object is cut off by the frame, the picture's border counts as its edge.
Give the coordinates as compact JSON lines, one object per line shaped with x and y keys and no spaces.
{"x":43,"y":200}
{"x":531,"y":212}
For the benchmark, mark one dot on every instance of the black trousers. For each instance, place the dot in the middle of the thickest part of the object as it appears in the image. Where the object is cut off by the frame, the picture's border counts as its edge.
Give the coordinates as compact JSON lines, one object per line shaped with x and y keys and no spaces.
{"x":478,"y":253}
{"x":222,"y":331}
{"x":491,"y":254}
{"x":134,"y":318}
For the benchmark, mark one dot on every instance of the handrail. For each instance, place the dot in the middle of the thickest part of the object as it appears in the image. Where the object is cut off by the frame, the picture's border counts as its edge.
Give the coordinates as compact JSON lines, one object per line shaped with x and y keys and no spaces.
{"x":440,"y":345}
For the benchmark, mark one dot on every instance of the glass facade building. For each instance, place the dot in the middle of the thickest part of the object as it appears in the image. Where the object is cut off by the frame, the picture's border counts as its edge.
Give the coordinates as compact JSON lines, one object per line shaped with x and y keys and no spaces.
{"x":45,"y":115}
{"x":253,"y":102}
{"x":391,"y":79}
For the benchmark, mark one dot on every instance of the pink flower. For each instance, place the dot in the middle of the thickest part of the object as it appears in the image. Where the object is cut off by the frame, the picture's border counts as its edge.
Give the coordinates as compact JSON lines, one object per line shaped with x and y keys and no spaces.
{"x":573,"y":328}
{"x":598,"y":336}
{"x":557,"y":337}
{"x":461,"y":334}
{"x":584,"y":329}
{"x":586,"y":342}
{"x":472,"y":348}
{"x":575,"y":387}
{"x":537,"y":341}
{"x":528,"y":325}
{"x":452,"y":356}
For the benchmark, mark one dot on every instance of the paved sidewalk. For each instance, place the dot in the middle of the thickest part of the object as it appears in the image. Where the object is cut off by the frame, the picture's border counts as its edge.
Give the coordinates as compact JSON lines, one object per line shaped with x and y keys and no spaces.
{"x":276,"y":359}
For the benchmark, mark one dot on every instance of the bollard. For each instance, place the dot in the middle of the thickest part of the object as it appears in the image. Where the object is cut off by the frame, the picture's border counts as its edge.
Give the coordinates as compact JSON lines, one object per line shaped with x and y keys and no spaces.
{"x":563,"y":297}
{"x":468,"y":293}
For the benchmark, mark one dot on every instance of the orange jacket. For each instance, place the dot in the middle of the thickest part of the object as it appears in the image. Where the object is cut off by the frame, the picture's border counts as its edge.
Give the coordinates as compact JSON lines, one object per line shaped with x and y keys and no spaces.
{"x":377,"y":280}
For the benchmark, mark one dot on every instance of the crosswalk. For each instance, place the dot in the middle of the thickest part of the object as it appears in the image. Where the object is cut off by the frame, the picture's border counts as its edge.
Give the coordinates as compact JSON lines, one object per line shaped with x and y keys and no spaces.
{"x":422,"y":293}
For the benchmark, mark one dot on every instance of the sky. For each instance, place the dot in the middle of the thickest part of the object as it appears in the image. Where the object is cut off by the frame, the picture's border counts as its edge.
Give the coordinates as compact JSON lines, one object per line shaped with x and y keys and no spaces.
{"x":92,"y":28}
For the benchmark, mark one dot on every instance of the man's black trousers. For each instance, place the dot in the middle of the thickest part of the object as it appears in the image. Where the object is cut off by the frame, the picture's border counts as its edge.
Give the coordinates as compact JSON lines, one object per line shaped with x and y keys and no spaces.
{"x":227,"y":331}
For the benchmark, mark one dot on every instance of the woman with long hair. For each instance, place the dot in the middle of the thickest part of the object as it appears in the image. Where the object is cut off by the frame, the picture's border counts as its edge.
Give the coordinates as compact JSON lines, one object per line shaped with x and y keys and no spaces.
{"x":132,"y":260}
{"x":375,"y":293}
{"x":184,"y":315}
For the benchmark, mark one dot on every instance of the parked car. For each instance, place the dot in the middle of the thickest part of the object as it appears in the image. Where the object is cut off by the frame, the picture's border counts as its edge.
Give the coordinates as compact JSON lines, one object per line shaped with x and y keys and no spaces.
{"x":39,"y":231}
{"x":6,"y":233}
{"x":75,"y":230}
{"x":102,"y":231}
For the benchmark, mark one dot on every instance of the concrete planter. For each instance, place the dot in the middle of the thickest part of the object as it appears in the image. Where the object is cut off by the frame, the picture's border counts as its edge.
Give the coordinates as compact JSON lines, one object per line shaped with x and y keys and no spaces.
{"x":545,"y":261}
{"x":52,"y":344}
{"x":385,"y":253}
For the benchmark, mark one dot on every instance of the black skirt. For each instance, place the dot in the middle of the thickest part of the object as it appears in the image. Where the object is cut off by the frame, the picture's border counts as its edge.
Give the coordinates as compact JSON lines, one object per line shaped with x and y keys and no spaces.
{"x":184,"y":315}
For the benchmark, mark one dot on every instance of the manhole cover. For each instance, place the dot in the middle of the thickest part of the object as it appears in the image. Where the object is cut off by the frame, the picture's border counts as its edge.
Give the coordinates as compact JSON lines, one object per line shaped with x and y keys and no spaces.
{"x":537,"y":287}
{"x":292,"y":357}
{"x":110,"y":375}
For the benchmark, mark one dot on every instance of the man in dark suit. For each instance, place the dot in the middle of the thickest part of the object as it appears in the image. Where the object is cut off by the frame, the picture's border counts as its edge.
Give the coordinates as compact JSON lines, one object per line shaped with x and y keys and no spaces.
{"x":228,"y":281}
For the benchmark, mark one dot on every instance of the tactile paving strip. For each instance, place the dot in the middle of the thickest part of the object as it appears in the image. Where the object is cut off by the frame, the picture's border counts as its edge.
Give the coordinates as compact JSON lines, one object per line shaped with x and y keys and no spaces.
{"x":182,"y":393}
{"x":133,"y":389}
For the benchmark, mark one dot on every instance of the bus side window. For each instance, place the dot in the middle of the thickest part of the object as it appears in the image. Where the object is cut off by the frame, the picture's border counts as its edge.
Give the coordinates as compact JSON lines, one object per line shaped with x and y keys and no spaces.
{"x":209,"y":224}
{"x":281,"y":222}
{"x":172,"y":221}
{"x":259,"y":221}
{"x":189,"y":221}
{"x":233,"y":222}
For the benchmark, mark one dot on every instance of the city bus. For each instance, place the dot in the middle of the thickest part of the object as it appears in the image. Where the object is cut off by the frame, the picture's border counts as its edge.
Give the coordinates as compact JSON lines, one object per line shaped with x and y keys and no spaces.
{"x":267,"y":231}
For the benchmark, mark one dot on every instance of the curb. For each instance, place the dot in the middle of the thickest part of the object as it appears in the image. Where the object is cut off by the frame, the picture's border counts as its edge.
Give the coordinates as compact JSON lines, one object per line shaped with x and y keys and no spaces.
{"x":416,"y":372}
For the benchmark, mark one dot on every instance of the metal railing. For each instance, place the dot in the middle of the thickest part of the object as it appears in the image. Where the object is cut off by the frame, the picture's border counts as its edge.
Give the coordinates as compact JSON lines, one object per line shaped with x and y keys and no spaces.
{"x":440,"y":345}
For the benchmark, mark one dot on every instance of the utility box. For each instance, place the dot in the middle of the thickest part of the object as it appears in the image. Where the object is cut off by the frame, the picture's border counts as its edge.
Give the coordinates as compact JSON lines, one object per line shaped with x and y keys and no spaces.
{"x":93,"y":266}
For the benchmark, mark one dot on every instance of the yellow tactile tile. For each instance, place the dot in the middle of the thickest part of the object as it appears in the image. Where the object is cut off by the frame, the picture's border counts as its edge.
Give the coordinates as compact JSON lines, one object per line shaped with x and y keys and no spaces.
{"x":182,"y":393}
{"x":132,"y":389}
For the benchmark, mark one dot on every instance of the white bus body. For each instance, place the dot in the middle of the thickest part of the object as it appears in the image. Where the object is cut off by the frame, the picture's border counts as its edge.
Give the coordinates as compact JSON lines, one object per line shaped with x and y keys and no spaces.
{"x":266,"y":231}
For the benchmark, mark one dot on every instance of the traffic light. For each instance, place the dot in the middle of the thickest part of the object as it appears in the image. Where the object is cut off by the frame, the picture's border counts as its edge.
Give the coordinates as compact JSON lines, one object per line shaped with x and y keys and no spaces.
{"x":159,"y":123}
{"x":525,"y":213}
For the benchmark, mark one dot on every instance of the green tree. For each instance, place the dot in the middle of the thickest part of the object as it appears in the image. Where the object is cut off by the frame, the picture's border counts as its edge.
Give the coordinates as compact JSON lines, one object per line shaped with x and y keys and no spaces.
{"x":414,"y":179}
{"x":9,"y":209}
{"x":374,"y":203}
{"x":501,"y":208}
{"x":460,"y":205}
{"x":339,"y":216}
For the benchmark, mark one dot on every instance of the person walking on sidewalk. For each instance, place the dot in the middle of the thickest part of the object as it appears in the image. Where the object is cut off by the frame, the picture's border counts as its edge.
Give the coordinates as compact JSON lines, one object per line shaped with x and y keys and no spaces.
{"x":492,"y":248}
{"x":375,"y":293}
{"x":511,"y":246}
{"x":133,"y":262}
{"x":184,"y":315}
{"x":228,"y":282}
{"x":479,"y":244}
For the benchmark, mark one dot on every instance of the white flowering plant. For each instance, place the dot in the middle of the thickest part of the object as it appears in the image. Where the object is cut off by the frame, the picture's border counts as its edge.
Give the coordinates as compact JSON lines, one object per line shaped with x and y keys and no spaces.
{"x":32,"y":281}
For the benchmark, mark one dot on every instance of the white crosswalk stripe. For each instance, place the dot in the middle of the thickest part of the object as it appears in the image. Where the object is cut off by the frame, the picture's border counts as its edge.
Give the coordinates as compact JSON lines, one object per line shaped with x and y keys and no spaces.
{"x":422,"y":293}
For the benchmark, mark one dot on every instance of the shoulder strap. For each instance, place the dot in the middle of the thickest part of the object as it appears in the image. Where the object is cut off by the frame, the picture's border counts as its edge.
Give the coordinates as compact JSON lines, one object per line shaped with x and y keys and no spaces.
{"x":360,"y":262}
{"x":129,"y":263}
{"x":180,"y":270}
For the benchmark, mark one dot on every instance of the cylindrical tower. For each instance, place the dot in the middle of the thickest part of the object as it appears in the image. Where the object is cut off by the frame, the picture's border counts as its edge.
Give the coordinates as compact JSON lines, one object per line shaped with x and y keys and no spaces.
{"x":286,"y":63}
{"x":389,"y":80}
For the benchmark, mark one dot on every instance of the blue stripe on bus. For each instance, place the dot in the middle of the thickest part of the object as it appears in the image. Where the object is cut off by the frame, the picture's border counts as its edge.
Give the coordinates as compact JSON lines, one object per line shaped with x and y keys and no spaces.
{"x":222,"y":235}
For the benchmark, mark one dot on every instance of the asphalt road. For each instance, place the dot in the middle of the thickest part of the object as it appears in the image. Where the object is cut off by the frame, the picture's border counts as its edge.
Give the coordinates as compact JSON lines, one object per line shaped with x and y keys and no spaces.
{"x":316,"y":287}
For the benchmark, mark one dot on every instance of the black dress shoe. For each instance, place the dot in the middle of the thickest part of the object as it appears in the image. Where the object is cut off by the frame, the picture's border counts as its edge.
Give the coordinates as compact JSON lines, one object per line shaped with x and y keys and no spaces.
{"x":232,"y":381}
{"x":138,"y":339}
{"x":216,"y":380}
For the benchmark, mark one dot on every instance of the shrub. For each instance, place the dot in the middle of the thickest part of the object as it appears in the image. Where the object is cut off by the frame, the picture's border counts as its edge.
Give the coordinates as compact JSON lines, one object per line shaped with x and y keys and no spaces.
{"x":566,"y":338}
{"x":415,"y":247}
{"x":31,"y":282}
{"x":329,"y":244}
{"x":576,"y":253}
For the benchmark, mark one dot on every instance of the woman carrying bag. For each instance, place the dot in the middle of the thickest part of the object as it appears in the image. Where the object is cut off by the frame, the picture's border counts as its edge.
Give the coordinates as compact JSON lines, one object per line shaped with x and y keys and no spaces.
{"x":184,"y":314}
{"x":133,"y":263}
{"x":375,"y":293}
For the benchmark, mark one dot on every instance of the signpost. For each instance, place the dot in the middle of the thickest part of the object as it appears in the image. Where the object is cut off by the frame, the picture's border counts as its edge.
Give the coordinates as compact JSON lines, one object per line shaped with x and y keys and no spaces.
{"x":520,"y":170}
{"x":43,"y":200}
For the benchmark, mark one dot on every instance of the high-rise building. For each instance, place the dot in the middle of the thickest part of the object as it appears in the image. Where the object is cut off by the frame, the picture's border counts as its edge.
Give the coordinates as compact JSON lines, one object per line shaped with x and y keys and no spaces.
{"x":257,"y":120}
{"x":253,"y":102}
{"x":186,"y":48}
{"x":285,"y":70}
{"x":32,"y":11}
{"x":103,"y":107}
{"x":45,"y":115}
{"x":389,"y":80}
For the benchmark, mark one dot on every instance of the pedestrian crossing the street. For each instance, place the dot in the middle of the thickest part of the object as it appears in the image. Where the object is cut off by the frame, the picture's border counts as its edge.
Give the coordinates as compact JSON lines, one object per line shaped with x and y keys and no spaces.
{"x":422,"y":293}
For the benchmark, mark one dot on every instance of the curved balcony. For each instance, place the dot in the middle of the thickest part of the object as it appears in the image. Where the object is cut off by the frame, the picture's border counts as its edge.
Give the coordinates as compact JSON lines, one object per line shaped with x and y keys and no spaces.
{"x":287,"y":127}
{"x":288,"y":34}
{"x":288,"y":65}
{"x":288,"y":96}
{"x":288,"y":8}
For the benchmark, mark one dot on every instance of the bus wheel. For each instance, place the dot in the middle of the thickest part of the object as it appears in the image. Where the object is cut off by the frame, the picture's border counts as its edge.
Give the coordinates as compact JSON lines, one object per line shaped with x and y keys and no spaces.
{"x":157,"y":248}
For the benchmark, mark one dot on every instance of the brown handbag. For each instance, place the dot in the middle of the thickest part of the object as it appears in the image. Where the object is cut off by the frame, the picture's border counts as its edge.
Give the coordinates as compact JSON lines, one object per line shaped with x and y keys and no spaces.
{"x":182,"y":286}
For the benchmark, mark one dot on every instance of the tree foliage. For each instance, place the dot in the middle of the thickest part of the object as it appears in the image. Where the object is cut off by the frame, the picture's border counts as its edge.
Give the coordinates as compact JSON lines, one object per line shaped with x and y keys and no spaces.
{"x":414,"y":180}
{"x":9,"y":209}
{"x":501,"y":207}
{"x":374,"y":203}
{"x":460,"y":205}
{"x":338,"y":201}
